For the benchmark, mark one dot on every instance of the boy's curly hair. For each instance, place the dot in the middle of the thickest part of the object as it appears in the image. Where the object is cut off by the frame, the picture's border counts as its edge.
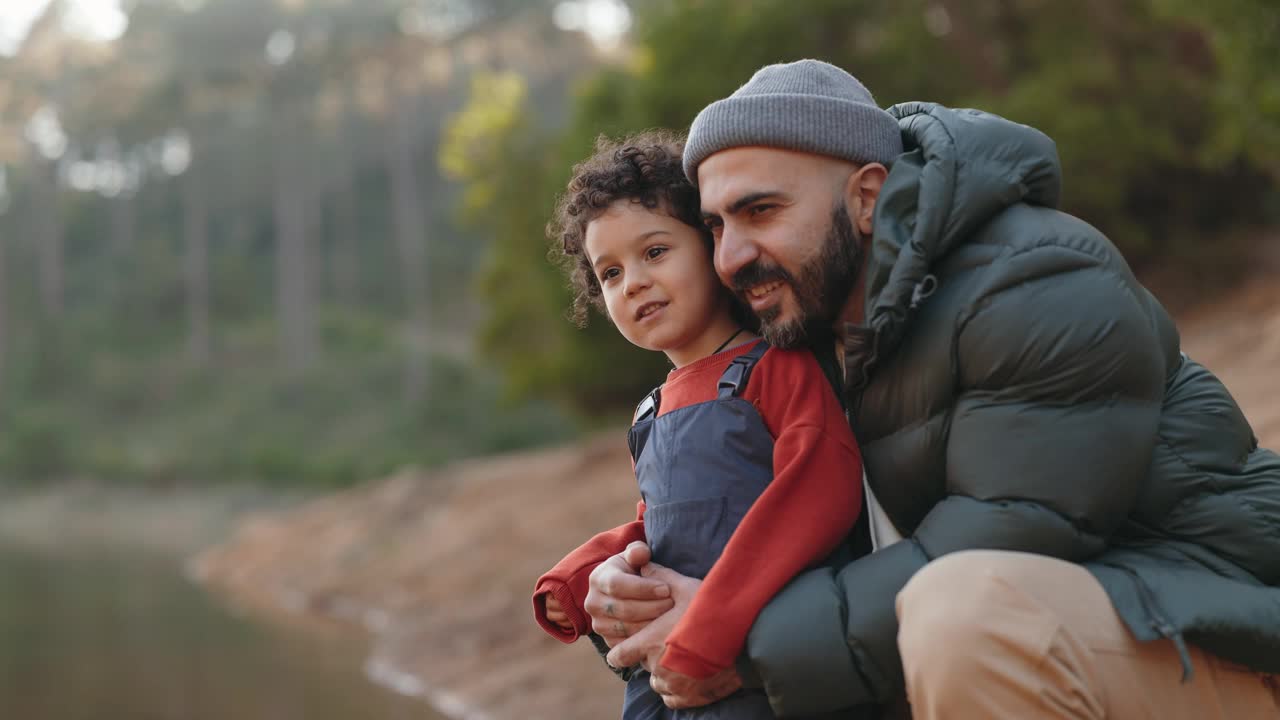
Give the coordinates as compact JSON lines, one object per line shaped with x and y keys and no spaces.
{"x":644,"y":168}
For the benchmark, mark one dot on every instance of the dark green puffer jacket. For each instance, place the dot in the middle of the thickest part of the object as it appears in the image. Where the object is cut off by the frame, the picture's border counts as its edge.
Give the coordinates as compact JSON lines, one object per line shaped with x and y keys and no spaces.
{"x":1016,"y":388}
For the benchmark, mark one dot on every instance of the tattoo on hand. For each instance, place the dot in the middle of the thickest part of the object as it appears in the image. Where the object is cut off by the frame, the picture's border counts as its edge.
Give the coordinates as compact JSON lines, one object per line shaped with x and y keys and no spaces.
{"x":620,"y":628}
{"x":608,"y":609}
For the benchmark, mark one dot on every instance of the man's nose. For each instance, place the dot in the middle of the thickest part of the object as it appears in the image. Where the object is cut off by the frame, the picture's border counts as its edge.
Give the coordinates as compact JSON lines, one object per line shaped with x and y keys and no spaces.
{"x":734,"y":251}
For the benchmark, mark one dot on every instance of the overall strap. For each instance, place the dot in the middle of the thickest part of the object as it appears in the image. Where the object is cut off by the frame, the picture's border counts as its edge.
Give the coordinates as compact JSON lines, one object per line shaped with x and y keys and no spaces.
{"x":734,"y":379}
{"x":648,"y":407}
{"x":642,"y":423}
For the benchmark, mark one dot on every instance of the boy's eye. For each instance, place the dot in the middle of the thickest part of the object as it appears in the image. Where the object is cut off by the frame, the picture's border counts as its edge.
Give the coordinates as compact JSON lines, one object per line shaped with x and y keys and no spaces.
{"x":609,"y":274}
{"x":654,"y":252}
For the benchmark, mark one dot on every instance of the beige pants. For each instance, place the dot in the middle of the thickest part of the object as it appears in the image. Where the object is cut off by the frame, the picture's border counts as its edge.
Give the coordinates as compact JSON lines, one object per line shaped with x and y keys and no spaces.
{"x":988,"y":634}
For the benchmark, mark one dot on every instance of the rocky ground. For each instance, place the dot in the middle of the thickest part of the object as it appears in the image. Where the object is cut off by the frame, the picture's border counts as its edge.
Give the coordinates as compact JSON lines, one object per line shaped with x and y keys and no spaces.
{"x":438,"y":567}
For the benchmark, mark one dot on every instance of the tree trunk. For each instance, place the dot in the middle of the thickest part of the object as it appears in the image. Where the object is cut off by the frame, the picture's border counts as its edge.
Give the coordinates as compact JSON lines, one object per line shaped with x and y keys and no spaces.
{"x":9,"y":222}
{"x":297,"y":336}
{"x":123,"y":240}
{"x":311,"y":184}
{"x":345,"y":257}
{"x":196,"y":235}
{"x":49,"y":244}
{"x":410,"y":235}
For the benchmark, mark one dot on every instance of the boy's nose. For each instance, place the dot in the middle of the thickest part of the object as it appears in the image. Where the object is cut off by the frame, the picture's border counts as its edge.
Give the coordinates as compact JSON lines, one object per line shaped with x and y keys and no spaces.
{"x":636,"y":280}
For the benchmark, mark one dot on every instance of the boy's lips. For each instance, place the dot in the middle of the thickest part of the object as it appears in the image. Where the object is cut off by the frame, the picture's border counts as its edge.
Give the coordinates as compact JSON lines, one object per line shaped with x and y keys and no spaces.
{"x":648,"y":309}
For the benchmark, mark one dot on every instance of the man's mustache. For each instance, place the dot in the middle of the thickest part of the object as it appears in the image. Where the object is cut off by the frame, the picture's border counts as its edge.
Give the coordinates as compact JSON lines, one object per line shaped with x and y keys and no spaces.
{"x":759,"y":273}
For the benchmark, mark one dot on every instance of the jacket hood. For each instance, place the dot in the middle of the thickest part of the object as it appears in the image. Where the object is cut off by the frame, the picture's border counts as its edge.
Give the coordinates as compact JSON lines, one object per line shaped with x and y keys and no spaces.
{"x":959,"y":168}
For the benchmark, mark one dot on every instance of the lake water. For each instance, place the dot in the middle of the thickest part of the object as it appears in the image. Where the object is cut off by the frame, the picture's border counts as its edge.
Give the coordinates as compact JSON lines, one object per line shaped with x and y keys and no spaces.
{"x":99,"y":633}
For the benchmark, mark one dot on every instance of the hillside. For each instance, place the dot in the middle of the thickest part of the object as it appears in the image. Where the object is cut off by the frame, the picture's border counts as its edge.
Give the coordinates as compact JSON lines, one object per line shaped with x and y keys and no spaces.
{"x":439,"y":566}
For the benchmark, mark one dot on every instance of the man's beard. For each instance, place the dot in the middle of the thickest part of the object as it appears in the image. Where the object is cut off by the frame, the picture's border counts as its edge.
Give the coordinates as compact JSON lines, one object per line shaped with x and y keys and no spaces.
{"x":821,"y":287}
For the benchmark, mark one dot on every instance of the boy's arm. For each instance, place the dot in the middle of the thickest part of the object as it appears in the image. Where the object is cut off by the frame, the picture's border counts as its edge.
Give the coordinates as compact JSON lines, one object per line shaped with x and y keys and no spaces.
{"x":809,"y":507}
{"x":567,"y":581}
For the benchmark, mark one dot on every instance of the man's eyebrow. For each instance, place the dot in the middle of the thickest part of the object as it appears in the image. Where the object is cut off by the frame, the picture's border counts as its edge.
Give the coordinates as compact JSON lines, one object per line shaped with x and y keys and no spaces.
{"x":750,"y":198}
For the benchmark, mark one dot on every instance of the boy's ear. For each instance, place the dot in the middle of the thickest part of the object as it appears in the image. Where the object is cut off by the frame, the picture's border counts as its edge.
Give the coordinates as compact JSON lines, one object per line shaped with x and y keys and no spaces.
{"x":862,"y":190}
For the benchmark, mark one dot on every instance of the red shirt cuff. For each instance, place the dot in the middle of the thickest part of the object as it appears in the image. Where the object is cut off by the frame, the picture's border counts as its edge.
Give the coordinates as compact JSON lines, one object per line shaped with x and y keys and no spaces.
{"x":562,"y":593}
{"x":685,"y":662}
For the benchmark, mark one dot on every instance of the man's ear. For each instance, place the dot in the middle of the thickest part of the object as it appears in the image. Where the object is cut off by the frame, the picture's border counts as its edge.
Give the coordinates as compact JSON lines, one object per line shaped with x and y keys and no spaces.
{"x":862,"y":190}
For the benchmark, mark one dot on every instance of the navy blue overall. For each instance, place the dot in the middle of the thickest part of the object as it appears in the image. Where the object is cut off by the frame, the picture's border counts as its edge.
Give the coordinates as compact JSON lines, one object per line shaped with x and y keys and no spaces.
{"x":700,"y":468}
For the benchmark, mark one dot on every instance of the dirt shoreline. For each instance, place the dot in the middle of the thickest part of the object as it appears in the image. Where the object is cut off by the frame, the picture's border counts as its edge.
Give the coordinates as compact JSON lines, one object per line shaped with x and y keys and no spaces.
{"x":437,"y":567}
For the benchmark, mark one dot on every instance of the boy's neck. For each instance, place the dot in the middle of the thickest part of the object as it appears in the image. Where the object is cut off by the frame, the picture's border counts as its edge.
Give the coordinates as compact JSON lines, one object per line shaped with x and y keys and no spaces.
{"x":719,"y":337}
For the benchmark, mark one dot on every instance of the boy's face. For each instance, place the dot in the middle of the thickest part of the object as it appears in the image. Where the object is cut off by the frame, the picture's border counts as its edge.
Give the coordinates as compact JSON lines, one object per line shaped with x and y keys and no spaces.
{"x":658,"y":282}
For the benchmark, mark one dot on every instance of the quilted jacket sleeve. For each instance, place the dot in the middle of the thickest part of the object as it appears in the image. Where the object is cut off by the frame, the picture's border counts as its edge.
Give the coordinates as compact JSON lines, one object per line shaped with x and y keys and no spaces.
{"x":1060,"y":383}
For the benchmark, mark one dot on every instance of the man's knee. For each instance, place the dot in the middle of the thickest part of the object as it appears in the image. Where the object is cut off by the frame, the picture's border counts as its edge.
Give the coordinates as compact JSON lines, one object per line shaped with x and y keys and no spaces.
{"x":948,"y":602}
{"x":961,"y":611}
{"x":976,"y":631}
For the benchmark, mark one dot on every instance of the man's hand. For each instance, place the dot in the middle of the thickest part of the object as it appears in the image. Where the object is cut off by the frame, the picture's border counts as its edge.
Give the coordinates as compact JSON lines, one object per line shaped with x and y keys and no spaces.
{"x":620,"y":600}
{"x":645,"y":647}
{"x":681,"y":691}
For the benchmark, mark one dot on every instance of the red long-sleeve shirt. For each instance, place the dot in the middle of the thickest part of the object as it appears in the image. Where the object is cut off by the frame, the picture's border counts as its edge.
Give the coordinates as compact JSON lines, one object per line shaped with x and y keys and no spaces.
{"x":807,"y":509}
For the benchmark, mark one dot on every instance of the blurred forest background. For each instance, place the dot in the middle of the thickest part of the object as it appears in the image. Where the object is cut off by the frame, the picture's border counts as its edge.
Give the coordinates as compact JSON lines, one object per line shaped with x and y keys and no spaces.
{"x":301,"y":241}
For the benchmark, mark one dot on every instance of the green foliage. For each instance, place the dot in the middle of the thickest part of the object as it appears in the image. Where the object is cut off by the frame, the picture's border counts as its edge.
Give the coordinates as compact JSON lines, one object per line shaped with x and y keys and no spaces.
{"x":472,"y":148}
{"x":1165,"y":113}
{"x":512,"y":171}
{"x":130,"y":415}
{"x":37,"y":445}
{"x":1241,"y":38}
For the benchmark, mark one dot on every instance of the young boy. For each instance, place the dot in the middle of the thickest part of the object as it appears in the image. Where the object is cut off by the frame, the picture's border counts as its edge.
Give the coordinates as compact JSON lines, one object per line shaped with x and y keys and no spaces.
{"x":747,"y":469}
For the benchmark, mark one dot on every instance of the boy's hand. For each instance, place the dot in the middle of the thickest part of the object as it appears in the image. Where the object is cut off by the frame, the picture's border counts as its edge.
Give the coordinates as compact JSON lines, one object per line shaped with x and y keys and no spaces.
{"x":556,"y":613}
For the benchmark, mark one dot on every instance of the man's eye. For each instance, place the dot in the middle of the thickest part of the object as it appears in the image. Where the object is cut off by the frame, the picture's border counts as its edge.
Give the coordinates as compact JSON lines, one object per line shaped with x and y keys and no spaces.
{"x":755,"y":210}
{"x":712,"y":223}
{"x":654,"y":252}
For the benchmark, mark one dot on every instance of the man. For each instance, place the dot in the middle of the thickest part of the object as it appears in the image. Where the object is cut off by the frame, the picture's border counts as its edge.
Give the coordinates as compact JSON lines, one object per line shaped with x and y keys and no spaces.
{"x":1091,"y":529}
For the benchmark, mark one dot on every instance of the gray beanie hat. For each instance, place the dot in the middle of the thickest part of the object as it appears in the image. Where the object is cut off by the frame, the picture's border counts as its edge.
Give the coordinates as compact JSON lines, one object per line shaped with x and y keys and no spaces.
{"x":807,"y":105}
